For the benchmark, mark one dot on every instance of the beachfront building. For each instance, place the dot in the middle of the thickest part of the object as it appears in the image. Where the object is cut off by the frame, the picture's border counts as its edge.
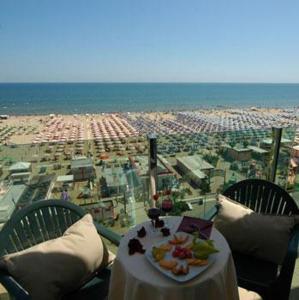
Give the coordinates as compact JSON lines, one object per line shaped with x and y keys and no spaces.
{"x":168,"y":176}
{"x":82,"y":168}
{"x":20,"y":172}
{"x":259,"y":153}
{"x":38,"y":188}
{"x":20,"y":167}
{"x":267,"y":143}
{"x":194,"y":168}
{"x":165,"y":173}
{"x":65,"y":179}
{"x":239,"y":154}
{"x":9,"y":199}
{"x":115,"y":181}
{"x":64,"y":182}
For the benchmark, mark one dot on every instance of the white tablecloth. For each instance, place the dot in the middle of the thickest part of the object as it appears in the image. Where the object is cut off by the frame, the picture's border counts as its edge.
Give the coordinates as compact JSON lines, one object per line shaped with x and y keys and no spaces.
{"x":134,"y":278}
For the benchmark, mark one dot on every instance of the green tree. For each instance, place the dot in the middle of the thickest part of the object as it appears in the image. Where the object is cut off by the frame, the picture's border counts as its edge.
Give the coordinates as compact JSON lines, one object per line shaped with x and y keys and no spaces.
{"x":212,"y":159}
{"x":204,"y":187}
{"x":234,"y":166}
{"x":232,"y":143}
{"x":245,"y":143}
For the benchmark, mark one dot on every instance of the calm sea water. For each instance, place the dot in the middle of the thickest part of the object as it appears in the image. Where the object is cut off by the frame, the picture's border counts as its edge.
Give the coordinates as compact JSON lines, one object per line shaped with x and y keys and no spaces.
{"x":69,"y":98}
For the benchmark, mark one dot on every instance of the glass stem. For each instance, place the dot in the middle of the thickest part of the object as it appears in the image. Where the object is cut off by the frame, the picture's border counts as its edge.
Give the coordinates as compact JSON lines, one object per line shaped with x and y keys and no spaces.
{"x":166,"y":220}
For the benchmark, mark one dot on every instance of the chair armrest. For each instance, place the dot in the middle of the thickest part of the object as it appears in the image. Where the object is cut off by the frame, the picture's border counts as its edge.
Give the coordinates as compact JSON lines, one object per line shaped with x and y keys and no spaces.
{"x":13,"y":287}
{"x":108,"y":234}
{"x":287,"y":269}
{"x":211,"y":213}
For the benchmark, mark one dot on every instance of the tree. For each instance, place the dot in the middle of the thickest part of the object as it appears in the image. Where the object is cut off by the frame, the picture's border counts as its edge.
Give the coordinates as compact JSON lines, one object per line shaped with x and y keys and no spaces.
{"x":234,"y":166}
{"x":205,"y":187}
{"x":212,"y":159}
{"x":182,"y":194}
{"x":178,"y":208}
{"x":232,"y":143}
{"x":245,"y":143}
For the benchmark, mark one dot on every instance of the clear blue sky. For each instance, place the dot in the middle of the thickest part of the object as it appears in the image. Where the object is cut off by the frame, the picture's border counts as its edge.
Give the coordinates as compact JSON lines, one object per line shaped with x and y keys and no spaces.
{"x":149,"y":40}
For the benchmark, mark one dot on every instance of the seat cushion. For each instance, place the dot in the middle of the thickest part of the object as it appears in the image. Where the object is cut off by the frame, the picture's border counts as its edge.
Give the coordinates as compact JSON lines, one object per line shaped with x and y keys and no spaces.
{"x":96,"y":288}
{"x":263,"y":236}
{"x":252,"y":272}
{"x":57,"y":267}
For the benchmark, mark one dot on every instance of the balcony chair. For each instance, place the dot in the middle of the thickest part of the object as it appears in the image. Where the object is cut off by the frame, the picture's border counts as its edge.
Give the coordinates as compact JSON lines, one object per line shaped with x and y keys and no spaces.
{"x":14,"y":237}
{"x":268,"y":279}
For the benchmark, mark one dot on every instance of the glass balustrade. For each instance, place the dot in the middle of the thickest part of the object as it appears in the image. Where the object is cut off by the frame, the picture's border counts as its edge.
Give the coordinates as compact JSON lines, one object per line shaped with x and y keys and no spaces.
{"x":109,"y":177}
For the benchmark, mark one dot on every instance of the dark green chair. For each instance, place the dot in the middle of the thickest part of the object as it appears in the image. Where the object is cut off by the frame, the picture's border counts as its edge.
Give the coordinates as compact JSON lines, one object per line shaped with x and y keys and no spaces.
{"x":268,"y":279}
{"x":42,"y":221}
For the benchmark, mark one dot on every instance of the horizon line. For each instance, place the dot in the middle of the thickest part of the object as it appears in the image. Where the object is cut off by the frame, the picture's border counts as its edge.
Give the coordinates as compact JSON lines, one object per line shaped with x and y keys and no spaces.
{"x":145,"y":82}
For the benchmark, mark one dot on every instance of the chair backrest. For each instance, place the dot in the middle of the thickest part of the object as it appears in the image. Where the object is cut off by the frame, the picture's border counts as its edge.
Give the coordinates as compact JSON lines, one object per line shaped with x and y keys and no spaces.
{"x":39,"y":222}
{"x":263,"y":197}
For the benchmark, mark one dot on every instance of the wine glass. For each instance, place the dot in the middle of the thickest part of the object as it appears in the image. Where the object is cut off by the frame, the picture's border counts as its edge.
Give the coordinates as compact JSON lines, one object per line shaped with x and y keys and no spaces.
{"x":154,"y":214}
{"x":166,"y":207}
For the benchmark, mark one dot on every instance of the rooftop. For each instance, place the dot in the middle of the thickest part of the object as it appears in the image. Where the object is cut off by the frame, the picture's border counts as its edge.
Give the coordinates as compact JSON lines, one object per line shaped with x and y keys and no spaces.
{"x":199,"y":174}
{"x":81,"y":162}
{"x":65,"y":178}
{"x":283,"y":141}
{"x":258,"y":149}
{"x":115,"y":177}
{"x":9,"y":200}
{"x":195,"y":162}
{"x":20,"y":166}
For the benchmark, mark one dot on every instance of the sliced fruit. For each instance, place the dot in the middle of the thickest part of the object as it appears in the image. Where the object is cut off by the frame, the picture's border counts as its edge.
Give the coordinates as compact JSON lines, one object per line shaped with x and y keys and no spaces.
{"x":178,"y":240}
{"x":158,"y":253}
{"x":168,"y":264}
{"x":181,"y":270}
{"x":189,"y":246}
{"x":197,"y":262}
{"x":182,"y":252}
{"x":203,"y":248}
{"x":166,"y":247}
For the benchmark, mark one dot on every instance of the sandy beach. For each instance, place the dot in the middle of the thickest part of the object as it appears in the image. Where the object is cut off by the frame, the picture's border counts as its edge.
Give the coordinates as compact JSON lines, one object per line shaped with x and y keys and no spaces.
{"x":47,"y":128}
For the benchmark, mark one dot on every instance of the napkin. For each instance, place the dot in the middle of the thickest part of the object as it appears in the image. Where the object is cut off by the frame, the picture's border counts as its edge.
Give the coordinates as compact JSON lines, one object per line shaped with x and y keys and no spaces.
{"x":190,"y":225}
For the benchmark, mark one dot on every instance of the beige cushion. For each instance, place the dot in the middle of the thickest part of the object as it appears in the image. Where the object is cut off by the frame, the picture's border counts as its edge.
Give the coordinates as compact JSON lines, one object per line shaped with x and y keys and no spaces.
{"x":248,"y":295}
{"x":263,"y":236}
{"x":56,"y":267}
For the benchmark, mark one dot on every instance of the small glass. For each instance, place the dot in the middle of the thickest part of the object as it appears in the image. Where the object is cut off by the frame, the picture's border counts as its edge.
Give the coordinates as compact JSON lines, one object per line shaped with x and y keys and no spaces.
{"x":154,"y":214}
{"x":166,"y":207}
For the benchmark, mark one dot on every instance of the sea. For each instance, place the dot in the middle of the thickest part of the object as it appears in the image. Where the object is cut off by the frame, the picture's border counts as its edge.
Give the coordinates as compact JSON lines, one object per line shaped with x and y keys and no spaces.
{"x":80,"y":98}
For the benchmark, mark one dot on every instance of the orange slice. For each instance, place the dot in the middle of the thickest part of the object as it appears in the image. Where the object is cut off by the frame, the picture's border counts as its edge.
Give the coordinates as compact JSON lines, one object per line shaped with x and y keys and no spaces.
{"x":168,"y":264}
{"x":165,"y":247}
{"x":178,"y":240}
{"x":196,"y":262}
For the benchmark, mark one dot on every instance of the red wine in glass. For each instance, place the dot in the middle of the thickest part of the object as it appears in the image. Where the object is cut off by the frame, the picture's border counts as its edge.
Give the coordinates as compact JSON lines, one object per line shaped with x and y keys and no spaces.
{"x":167,"y":206}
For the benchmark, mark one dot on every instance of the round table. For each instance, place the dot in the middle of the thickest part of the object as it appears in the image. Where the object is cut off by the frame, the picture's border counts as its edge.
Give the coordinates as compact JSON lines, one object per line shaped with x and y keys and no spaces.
{"x":134,"y":278}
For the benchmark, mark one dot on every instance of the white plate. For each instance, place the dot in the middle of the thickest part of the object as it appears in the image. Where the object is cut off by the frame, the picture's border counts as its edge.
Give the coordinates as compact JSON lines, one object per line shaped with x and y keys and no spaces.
{"x":193,"y":270}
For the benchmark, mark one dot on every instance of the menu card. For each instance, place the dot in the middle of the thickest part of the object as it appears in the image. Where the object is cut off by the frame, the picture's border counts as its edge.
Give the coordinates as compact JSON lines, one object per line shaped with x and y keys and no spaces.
{"x":191,"y":225}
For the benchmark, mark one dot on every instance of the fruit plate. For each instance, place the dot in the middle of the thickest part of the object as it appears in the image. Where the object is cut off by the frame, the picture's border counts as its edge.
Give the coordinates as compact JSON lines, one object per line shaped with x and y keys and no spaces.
{"x":194,"y":271}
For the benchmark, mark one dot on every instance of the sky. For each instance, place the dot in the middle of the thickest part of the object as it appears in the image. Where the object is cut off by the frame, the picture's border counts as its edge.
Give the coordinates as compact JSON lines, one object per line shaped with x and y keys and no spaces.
{"x":149,"y":41}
